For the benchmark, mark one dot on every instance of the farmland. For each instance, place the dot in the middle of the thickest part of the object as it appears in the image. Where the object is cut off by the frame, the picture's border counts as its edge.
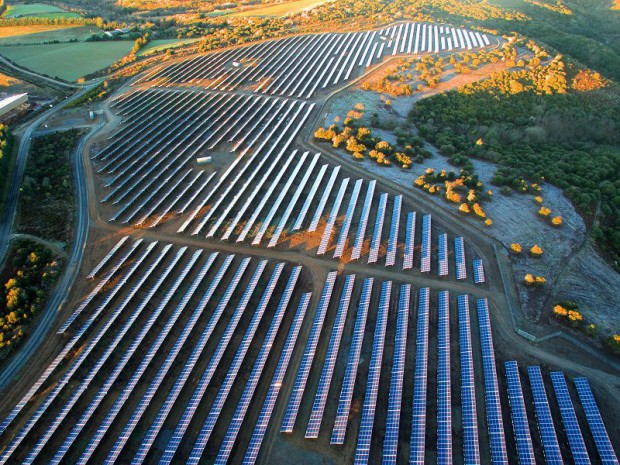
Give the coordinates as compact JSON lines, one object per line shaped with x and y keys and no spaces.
{"x":68,"y":61}
{"x":248,"y":297}
{"x":37,"y":34}
{"x":279,"y":9}
{"x":37,"y":10}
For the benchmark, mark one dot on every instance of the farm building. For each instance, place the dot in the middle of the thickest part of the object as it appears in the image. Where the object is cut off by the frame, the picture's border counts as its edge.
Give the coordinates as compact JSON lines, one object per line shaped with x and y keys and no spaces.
{"x":12,"y":102}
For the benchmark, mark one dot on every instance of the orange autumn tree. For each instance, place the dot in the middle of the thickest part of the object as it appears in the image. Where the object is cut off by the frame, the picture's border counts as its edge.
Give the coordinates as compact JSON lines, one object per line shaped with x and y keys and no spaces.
{"x":536,"y":251}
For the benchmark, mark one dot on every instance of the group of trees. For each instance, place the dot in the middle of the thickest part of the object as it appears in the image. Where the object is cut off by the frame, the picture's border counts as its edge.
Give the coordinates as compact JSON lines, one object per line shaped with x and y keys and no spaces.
{"x":140,"y":43}
{"x":359,"y":142}
{"x":46,"y":203}
{"x":30,"y":272}
{"x":537,"y":128}
{"x":69,"y":21}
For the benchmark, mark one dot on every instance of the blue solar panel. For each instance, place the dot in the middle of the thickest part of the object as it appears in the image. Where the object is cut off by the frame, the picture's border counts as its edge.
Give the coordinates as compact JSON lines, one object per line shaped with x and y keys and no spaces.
{"x":444,"y":396}
{"x":569,"y":419}
{"x":346,"y":224}
{"x":390,"y":257}
{"x":418,"y":420}
{"x":375,"y":242}
{"x":425,"y":265}
{"x":235,"y":366}
{"x":479,"y":277}
{"x":304,"y":369}
{"x":364,"y":437}
{"x":316,"y":416}
{"x":331,"y":220}
{"x":459,"y":253}
{"x":276,"y":383}
{"x":549,"y":438}
{"x":471,"y":449}
{"x":520,"y":425}
{"x":390,"y":443}
{"x":361,"y":228}
{"x":346,"y":393}
{"x":491,"y":387}
{"x":442,"y":255}
{"x":409,"y":241}
{"x":595,"y":422}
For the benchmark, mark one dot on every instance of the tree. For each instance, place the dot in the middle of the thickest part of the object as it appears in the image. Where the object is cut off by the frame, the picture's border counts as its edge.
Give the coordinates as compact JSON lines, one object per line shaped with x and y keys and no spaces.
{"x":536,"y":251}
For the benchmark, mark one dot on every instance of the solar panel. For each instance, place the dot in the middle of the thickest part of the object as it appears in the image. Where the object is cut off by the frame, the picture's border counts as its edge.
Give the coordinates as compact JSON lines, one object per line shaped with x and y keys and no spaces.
{"x":409,"y":241}
{"x":551,"y":448}
{"x":319,"y":210}
{"x":291,"y":205}
{"x":348,"y":383}
{"x":361,"y":228}
{"x":113,"y":376}
{"x":390,"y":257}
{"x":320,"y":399}
{"x":151,"y":352}
{"x":569,"y":419}
{"x":390,"y":442}
{"x":491,"y":387}
{"x":207,"y":375}
{"x":375,"y":242}
{"x":425,"y":265}
{"x":478,"y":271}
{"x":418,"y":420}
{"x":171,"y":358}
{"x":444,"y":393}
{"x":346,"y":224}
{"x":520,"y":425}
{"x":331,"y":220}
{"x":276,"y":383}
{"x":442,"y":255}
{"x":364,"y":437}
{"x":471,"y":448}
{"x":304,"y":369}
{"x":107,"y":257}
{"x":304,"y":209}
{"x":276,"y":204}
{"x":459,"y":253}
{"x":233,"y":370}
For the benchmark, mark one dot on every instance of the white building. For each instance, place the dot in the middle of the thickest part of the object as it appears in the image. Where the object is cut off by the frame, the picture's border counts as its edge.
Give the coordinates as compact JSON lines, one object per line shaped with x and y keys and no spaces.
{"x":12,"y":102}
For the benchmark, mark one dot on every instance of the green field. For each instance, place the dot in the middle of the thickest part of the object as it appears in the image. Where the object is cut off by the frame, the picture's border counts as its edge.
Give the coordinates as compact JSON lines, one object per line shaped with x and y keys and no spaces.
{"x":278,"y":9}
{"x":67,"y":61}
{"x":42,"y":33}
{"x":163,"y":44}
{"x":37,"y":10}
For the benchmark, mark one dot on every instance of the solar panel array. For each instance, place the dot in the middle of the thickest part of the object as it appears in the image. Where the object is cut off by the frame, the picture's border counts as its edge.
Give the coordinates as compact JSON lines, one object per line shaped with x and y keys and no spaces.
{"x":499,"y":455}
{"x":409,"y":241}
{"x":459,"y":254}
{"x":301,"y":65}
{"x":548,"y":436}
{"x":390,"y":257}
{"x":520,"y":425}
{"x":306,"y":364}
{"x":375,"y":242}
{"x":569,"y":419}
{"x":364,"y":436}
{"x":392,"y":427}
{"x":346,"y":224}
{"x":444,"y":392}
{"x":418,"y":420}
{"x":471,"y":448}
{"x":442,"y":255}
{"x":425,"y":264}
{"x":479,"y":277}
{"x":363,"y":222}
{"x":316,"y":416}
{"x":348,"y":383}
{"x":595,"y":422}
{"x":264,"y":417}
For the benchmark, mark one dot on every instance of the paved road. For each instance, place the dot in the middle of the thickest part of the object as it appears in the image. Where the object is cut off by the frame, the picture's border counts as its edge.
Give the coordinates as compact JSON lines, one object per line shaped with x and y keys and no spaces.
{"x":72,"y":266}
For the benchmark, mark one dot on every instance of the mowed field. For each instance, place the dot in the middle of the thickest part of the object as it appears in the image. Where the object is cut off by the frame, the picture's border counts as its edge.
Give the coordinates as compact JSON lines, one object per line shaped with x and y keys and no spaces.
{"x":280,"y":9}
{"x":163,"y":44}
{"x":37,"y":34}
{"x":38,"y":10}
{"x":68,"y":61}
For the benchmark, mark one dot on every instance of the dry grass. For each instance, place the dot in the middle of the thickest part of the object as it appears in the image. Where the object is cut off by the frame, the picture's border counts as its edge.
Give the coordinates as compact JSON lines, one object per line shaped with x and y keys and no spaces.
{"x":279,"y":9}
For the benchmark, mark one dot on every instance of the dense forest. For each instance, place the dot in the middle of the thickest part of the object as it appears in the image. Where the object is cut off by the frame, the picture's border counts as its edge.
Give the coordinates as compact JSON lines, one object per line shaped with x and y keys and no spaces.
{"x":30,"y":273}
{"x":540,"y":125}
{"x":46,"y":203}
